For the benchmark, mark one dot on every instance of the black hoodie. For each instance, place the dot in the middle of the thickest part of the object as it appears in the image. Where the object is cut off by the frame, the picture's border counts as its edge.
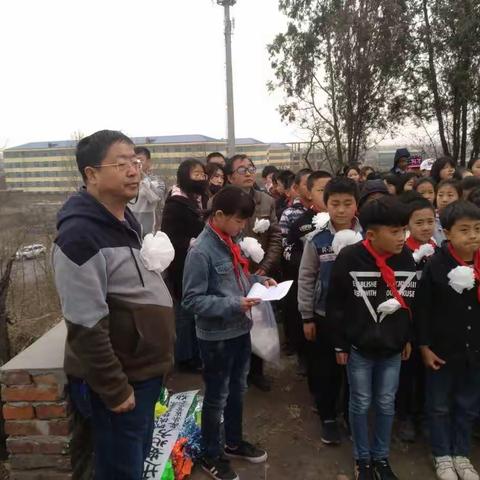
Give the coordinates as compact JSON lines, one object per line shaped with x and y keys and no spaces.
{"x":118,"y":314}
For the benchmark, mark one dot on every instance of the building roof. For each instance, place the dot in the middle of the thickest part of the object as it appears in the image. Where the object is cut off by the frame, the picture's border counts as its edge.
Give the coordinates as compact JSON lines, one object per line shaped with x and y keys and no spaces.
{"x":148,"y":140}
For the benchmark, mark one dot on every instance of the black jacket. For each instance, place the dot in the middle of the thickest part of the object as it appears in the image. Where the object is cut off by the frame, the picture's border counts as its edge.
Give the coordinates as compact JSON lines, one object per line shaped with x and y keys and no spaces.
{"x":446,"y":321}
{"x":356,"y":290}
{"x":182,"y":220}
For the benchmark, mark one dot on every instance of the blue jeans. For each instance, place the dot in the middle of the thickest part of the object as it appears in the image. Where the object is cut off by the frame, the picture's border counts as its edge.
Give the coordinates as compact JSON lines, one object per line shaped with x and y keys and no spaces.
{"x":372,"y":381}
{"x":453,"y":402}
{"x":121,"y":441}
{"x":225,"y":368}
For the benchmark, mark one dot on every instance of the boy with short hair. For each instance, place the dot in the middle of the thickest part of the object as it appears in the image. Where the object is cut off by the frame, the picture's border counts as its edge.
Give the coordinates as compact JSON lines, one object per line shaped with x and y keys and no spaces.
{"x":324,"y":375}
{"x":292,"y":255}
{"x":411,"y":390}
{"x":372,"y":284}
{"x":447,"y":310}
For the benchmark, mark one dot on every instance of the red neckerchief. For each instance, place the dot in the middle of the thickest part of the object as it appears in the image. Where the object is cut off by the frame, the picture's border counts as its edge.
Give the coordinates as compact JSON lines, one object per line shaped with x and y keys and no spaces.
{"x":387,"y":273}
{"x":238,"y":260}
{"x":476,"y":265}
{"x":413,"y":244}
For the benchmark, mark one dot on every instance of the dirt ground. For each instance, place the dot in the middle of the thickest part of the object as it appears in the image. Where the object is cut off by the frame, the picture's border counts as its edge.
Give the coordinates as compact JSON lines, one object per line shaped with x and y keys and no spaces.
{"x":283,"y":422}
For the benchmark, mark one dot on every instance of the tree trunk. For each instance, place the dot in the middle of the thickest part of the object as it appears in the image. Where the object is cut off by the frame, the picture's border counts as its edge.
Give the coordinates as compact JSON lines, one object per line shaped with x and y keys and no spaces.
{"x":4,"y":339}
{"x":433,"y":80}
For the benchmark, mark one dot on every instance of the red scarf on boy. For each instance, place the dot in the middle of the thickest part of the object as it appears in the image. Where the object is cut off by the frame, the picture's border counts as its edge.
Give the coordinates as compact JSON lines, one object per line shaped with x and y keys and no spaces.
{"x":476,"y":265}
{"x":413,"y":244}
{"x":387,"y":273}
{"x":238,"y":260}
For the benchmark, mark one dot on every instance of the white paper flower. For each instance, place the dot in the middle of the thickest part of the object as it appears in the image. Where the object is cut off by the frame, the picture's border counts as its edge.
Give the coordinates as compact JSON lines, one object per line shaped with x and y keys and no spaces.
{"x":461,"y":278}
{"x":261,"y":225}
{"x":390,"y":306}
{"x":320,"y":220}
{"x":157,"y":251}
{"x":252,"y":249}
{"x":343,"y":238}
{"x":425,"y":250}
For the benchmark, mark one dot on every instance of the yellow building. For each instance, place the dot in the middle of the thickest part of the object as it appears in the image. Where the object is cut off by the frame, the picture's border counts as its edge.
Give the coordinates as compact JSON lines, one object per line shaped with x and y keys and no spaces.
{"x":51,"y":166}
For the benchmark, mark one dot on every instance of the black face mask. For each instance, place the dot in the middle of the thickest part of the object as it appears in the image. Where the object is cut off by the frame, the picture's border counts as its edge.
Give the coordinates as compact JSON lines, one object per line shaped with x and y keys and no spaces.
{"x":198,"y":187}
{"x":215,"y":188}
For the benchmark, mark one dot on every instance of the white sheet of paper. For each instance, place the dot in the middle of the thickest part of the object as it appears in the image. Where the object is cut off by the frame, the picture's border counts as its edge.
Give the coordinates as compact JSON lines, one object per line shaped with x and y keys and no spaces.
{"x":270,"y":294}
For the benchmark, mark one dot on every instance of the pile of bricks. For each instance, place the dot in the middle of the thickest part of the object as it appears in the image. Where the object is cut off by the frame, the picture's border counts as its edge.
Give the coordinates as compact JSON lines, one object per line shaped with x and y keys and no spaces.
{"x":38,"y":424}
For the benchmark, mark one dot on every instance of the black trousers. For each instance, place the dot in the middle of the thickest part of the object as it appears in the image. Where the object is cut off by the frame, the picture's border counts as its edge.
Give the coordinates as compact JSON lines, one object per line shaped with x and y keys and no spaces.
{"x":292,"y":322}
{"x":326,"y":379}
{"x":411,"y":389}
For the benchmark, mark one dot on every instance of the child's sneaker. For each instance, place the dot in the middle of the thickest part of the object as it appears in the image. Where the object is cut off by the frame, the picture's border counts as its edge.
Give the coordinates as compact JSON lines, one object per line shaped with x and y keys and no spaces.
{"x":330,"y":433}
{"x":382,"y":470}
{"x":465,"y":469}
{"x":363,"y":470}
{"x":218,"y":468}
{"x":247,"y":451}
{"x":444,"y":468}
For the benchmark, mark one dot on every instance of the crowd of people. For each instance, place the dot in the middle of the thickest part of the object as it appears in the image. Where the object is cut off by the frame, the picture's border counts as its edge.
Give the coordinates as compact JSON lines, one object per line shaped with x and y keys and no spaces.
{"x":382,"y":314}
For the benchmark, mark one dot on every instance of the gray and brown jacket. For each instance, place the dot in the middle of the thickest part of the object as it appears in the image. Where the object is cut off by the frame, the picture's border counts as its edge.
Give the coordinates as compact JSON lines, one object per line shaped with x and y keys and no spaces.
{"x":119,"y":314}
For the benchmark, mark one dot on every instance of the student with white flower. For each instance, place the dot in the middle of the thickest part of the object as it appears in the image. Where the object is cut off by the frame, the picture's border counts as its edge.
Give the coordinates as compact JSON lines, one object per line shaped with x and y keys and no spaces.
{"x":216,"y":281}
{"x":446,"y":313}
{"x":324,"y":375}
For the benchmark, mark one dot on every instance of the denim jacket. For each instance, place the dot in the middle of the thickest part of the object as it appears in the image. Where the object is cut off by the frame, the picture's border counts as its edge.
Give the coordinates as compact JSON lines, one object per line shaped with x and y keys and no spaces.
{"x":212,"y":291}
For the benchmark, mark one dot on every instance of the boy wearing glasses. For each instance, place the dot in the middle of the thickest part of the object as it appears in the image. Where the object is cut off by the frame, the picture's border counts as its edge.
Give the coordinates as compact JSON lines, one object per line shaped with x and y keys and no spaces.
{"x":241,"y":172}
{"x":118,"y":314}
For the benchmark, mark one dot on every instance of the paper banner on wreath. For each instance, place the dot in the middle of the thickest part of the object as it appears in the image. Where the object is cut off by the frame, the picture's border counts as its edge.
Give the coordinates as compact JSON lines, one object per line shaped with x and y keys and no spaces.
{"x":165,"y":433}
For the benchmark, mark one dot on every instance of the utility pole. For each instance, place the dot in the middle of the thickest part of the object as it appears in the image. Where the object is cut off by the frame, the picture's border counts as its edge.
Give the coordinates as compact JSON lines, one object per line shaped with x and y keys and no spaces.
{"x":228,"y":64}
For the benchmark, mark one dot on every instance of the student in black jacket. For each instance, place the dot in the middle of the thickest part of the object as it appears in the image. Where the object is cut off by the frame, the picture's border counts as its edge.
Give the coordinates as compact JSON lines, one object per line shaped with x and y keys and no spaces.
{"x":371,"y":287}
{"x":447,"y":314}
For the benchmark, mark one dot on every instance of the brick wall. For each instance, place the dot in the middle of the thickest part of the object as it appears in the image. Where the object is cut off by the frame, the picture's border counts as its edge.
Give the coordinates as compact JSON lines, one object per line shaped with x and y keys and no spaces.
{"x":45,"y":439}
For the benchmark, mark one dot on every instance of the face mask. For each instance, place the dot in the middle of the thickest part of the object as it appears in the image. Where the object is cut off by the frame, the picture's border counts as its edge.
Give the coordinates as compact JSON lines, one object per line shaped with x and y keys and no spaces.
{"x":215,"y":188}
{"x":196,"y":186}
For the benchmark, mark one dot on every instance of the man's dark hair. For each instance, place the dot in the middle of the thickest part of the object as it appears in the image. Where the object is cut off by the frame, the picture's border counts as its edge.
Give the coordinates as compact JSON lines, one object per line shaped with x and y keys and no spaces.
{"x":232,"y":200}
{"x":286,"y":178}
{"x":387,"y":211}
{"x":341,"y":185}
{"x":300,"y":174}
{"x":231,"y":162}
{"x":456,"y":211}
{"x":213,"y":155}
{"x":317,"y":175}
{"x":415,"y":201}
{"x":92,"y":150}
{"x":268,"y":170}
{"x":469,"y":183}
{"x":143,"y":151}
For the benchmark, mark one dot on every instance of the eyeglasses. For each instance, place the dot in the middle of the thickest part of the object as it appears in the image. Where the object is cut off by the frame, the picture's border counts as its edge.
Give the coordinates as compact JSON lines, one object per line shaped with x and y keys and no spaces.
{"x":124,"y":165}
{"x":243,"y":170}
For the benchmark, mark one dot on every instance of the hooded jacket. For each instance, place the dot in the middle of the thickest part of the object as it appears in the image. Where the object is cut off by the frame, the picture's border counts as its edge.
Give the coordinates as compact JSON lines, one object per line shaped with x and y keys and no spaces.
{"x":119,"y":317}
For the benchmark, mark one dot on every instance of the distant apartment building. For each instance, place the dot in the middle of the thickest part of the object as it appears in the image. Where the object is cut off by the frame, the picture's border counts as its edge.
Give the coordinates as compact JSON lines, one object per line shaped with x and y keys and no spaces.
{"x":51,"y":167}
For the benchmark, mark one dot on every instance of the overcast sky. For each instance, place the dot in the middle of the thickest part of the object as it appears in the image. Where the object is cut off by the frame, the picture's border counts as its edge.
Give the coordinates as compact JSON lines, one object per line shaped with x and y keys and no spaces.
{"x":146,"y":67}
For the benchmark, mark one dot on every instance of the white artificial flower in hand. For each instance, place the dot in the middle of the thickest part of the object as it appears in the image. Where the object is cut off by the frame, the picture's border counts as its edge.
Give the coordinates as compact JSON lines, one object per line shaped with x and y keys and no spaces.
{"x":157,"y":251}
{"x":425,"y":250}
{"x":320,"y":220}
{"x":252,"y":249}
{"x":261,"y":225}
{"x":461,"y":278}
{"x":390,"y":306}
{"x":343,"y":238}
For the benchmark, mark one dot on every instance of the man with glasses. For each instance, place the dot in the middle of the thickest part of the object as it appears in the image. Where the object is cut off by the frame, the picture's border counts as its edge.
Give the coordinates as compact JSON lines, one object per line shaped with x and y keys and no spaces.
{"x":118,"y":314}
{"x":241,"y":172}
{"x":150,"y":195}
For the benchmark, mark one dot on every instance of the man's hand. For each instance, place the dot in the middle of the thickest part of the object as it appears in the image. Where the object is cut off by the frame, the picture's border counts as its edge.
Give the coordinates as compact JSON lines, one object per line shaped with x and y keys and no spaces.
{"x":247,"y":303}
{"x":342,"y":358}
{"x":270,"y":282}
{"x":261,"y":272}
{"x":407,"y":351}
{"x":310,"y":331}
{"x":126,"y":406}
{"x":431,"y":360}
